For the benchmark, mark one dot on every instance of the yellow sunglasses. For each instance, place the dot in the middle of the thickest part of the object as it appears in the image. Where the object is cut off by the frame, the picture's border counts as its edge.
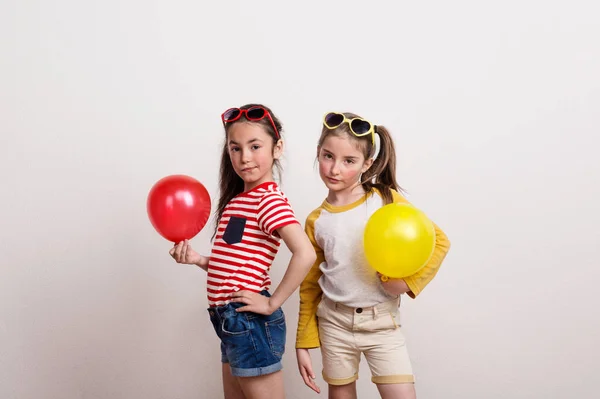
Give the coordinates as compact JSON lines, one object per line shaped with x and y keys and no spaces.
{"x":358,"y":126}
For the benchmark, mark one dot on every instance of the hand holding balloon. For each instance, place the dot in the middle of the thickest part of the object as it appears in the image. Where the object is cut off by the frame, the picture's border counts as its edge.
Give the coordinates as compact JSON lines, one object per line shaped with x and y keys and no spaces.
{"x":393,"y":286}
{"x":183,"y":253}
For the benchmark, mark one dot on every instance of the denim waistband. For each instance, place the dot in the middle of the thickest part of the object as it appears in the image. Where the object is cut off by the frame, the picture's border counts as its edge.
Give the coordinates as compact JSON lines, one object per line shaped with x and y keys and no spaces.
{"x":220,"y":310}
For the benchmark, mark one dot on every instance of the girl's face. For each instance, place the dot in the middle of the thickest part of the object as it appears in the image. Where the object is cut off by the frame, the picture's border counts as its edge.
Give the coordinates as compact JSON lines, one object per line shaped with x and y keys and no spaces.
{"x":252,"y":153}
{"x":341,"y":163}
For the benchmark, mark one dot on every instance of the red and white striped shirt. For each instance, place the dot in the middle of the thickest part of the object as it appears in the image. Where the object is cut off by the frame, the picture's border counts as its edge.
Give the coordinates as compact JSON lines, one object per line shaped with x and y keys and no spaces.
{"x":246,"y":242}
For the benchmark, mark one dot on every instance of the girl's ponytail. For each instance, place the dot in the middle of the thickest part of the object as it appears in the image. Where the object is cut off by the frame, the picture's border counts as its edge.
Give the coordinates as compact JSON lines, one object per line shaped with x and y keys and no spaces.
{"x":382,"y":174}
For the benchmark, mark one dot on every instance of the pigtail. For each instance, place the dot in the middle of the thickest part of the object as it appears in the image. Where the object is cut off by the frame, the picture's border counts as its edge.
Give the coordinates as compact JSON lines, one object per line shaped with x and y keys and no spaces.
{"x":382,"y":174}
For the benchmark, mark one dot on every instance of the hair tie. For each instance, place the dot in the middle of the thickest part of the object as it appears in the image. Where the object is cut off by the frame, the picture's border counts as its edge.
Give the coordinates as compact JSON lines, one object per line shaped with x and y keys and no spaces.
{"x":377,"y":145}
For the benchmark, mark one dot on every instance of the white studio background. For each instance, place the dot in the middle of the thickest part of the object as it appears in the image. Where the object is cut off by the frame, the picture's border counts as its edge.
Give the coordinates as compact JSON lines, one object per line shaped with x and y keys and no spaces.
{"x":494,"y":107}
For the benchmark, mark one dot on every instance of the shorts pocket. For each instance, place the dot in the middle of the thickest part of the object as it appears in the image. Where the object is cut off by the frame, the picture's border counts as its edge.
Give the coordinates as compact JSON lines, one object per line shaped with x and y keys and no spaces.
{"x":319,"y":312}
{"x":275,"y":330}
{"x":235,"y":230}
{"x":394,"y":322}
{"x":384,"y":321}
{"x":390,"y":321}
{"x":234,"y":324}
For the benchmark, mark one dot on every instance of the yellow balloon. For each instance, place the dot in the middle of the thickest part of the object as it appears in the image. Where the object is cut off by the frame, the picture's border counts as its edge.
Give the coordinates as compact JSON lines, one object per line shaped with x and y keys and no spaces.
{"x":398,"y":240}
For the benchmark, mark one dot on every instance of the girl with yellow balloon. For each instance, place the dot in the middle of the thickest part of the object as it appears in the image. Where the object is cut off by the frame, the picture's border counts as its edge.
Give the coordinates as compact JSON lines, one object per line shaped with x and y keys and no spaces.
{"x":372,"y":246}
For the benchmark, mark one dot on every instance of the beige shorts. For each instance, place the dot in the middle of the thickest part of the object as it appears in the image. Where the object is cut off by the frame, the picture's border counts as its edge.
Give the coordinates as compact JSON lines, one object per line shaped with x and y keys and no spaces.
{"x":347,"y":332}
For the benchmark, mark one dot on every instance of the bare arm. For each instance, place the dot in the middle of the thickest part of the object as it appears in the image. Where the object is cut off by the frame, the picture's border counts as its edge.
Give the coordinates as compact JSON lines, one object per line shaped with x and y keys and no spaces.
{"x":303,"y":257}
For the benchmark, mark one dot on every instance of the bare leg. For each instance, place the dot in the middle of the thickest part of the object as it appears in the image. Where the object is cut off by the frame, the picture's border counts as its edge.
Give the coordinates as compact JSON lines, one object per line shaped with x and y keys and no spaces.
{"x":347,"y":391}
{"x":397,"y":391}
{"x":231,"y":387}
{"x":268,"y":386}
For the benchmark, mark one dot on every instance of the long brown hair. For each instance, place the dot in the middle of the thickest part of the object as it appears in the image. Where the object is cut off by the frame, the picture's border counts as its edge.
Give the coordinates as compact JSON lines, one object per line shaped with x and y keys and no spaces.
{"x":230,"y":184}
{"x":382,"y":173}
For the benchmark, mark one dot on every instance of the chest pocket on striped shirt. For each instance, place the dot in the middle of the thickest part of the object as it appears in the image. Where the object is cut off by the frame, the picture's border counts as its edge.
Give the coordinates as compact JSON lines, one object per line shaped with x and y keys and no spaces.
{"x":234,"y":230}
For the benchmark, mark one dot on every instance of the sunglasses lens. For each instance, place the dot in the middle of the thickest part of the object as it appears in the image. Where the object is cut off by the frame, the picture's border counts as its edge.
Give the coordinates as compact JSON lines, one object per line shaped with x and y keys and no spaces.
{"x":255,"y":113}
{"x":334,"y":120}
{"x":231,"y":114}
{"x":360,"y":127}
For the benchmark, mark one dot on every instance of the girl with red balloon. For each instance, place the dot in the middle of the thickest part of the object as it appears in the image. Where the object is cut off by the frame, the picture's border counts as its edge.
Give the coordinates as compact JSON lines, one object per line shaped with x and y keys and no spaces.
{"x":253,"y":217}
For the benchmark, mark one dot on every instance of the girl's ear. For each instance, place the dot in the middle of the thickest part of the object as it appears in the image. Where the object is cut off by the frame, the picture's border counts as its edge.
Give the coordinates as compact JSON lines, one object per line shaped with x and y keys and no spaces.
{"x":366,"y":165}
{"x":278,"y":149}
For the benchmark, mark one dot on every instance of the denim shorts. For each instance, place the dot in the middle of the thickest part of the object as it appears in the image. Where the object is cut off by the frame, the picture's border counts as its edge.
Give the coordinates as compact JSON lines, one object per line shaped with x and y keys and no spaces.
{"x":252,"y":344}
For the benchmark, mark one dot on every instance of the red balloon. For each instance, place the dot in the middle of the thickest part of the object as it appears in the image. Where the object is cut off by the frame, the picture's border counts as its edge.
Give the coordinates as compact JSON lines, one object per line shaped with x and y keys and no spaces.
{"x":178,"y":207}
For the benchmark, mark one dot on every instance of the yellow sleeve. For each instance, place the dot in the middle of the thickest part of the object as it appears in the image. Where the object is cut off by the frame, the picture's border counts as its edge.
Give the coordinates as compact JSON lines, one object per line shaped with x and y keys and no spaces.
{"x":420,"y":279}
{"x":307,"y":335}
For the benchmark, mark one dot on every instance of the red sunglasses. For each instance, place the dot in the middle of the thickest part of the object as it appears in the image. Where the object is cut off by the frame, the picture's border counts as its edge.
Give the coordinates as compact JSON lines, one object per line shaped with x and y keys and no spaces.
{"x":252,"y":114}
